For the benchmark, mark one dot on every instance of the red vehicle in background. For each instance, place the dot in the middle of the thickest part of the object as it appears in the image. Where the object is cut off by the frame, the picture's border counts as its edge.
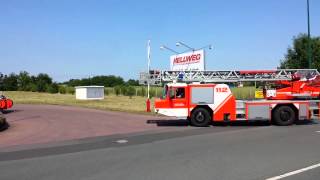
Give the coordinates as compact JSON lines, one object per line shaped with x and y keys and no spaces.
{"x":5,"y":103}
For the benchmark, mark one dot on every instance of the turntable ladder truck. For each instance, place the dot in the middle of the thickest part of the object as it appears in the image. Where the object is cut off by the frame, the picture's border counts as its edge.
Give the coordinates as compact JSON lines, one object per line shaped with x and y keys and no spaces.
{"x":202,"y":97}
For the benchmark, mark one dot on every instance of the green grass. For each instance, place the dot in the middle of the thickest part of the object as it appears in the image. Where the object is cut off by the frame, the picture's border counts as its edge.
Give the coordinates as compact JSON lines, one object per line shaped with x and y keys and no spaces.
{"x":111,"y":102}
{"x":135,"y":104}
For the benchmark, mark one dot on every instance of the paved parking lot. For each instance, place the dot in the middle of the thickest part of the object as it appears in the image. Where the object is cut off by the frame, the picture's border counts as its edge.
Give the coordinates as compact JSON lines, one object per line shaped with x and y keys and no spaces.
{"x":32,"y":124}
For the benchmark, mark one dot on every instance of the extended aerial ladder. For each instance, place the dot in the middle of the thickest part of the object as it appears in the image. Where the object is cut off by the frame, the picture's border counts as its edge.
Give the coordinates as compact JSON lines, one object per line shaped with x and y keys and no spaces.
{"x":156,"y":77}
{"x":291,"y":83}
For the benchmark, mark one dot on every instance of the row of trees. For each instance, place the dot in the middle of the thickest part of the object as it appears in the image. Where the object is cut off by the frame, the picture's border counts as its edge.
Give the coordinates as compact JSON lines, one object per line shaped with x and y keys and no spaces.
{"x":26,"y":82}
{"x":44,"y":83}
{"x":106,"y":81}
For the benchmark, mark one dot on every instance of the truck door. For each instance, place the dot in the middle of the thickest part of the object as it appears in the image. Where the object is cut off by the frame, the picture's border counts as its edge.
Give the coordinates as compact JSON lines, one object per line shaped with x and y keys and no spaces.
{"x":178,"y":101}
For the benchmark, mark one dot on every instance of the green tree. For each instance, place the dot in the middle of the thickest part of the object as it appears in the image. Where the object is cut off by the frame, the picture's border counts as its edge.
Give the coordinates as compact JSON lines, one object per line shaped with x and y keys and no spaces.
{"x":10,"y":83}
{"x":297,"y":55}
{"x":107,"y":81}
{"x":1,"y":82}
{"x":52,"y":88}
{"x":131,"y":91}
{"x":132,"y":82}
{"x":62,"y":89}
{"x":24,"y":81}
{"x":32,"y":87}
{"x":42,"y":82}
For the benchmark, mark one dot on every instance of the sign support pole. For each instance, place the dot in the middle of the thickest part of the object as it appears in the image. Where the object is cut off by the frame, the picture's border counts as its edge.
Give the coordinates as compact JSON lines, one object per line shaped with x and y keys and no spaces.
{"x":149,"y":59}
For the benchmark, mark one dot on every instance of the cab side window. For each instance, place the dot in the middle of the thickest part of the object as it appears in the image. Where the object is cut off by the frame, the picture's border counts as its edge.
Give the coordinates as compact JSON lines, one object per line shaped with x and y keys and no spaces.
{"x":180,"y":93}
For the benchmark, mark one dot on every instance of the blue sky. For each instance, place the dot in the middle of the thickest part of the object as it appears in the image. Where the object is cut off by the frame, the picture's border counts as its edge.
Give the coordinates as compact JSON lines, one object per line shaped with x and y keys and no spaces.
{"x":81,"y":38}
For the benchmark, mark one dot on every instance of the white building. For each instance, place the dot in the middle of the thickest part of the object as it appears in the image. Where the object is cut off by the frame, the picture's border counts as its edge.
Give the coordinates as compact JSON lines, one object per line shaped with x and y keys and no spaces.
{"x":89,"y":92}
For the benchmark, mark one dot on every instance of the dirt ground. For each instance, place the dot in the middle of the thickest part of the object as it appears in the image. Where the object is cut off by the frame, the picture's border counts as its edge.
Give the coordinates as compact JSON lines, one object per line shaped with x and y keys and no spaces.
{"x":33,"y":124}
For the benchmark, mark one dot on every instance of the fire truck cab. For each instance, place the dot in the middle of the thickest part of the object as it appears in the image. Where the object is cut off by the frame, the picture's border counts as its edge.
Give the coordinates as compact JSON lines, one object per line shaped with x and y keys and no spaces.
{"x":203,"y":103}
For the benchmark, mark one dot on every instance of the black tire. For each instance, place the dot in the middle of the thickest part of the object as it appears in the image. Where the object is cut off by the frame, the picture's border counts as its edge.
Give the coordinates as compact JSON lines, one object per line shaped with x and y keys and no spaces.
{"x":200,"y":117}
{"x":284,"y":116}
{"x":3,"y":123}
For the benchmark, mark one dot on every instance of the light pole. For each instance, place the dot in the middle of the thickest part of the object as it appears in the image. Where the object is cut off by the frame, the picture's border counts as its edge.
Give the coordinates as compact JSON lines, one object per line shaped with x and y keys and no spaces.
{"x":207,"y":46}
{"x":165,"y":47}
{"x":309,"y":37}
{"x":193,"y":49}
{"x":183,"y":44}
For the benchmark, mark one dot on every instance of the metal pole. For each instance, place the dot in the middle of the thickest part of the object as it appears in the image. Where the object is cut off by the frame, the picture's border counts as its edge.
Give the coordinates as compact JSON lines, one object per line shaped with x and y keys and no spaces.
{"x":309,"y":38}
{"x":167,"y":48}
{"x":183,"y":44}
{"x":149,"y":59}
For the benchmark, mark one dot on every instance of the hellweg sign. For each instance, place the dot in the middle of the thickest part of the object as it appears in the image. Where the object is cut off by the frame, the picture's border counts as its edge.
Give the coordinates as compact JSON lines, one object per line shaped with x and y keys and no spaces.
{"x":190,"y":61}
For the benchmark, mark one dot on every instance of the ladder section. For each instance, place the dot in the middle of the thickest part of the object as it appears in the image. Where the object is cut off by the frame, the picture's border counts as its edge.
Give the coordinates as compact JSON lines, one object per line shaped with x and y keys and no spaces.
{"x":157,"y":77}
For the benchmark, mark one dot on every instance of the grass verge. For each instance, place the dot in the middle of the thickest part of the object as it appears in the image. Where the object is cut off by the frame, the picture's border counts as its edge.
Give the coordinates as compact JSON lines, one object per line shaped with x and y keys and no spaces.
{"x":136,"y":104}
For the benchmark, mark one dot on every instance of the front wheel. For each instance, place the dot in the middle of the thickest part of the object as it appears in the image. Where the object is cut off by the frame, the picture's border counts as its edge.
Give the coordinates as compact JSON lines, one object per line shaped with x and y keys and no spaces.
{"x":200,"y":117}
{"x":284,"y":116}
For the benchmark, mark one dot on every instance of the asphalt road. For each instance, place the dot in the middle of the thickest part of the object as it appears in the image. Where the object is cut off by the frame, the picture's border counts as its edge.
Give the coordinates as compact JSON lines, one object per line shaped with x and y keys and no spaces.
{"x":231,"y":152}
{"x":37,"y":124}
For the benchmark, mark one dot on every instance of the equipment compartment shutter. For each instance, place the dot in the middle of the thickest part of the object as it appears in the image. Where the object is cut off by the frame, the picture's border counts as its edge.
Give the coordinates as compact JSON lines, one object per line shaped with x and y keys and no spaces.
{"x":202,"y":95}
{"x":303,"y":111}
{"x":258,"y":112}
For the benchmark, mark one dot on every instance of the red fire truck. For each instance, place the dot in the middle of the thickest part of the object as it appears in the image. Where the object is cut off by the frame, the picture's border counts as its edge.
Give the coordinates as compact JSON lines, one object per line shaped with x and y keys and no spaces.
{"x":5,"y":103}
{"x":294,"y":98}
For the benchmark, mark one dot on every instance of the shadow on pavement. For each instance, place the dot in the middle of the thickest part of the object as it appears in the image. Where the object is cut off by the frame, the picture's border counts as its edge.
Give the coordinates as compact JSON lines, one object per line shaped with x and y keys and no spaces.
{"x":242,"y":123}
{"x":175,"y":122}
{"x":307,"y":122}
{"x":9,"y":111}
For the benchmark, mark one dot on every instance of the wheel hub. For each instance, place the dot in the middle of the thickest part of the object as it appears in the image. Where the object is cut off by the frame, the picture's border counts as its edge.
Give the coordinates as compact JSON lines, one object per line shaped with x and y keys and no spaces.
{"x":285,"y":115}
{"x":200,"y":117}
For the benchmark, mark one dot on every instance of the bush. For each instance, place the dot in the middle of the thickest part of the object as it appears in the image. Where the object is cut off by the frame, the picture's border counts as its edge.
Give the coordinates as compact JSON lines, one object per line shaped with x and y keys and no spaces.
{"x":41,"y":86}
{"x":117,"y":90}
{"x":53,"y":88}
{"x":130,"y":91}
{"x":32,"y":87}
{"x":70,"y":90}
{"x":62,"y":90}
{"x":124,"y":90}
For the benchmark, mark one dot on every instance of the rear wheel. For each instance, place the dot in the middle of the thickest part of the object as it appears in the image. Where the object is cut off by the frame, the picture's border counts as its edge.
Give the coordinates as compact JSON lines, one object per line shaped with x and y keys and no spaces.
{"x":200,"y":117}
{"x":284,"y":116}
